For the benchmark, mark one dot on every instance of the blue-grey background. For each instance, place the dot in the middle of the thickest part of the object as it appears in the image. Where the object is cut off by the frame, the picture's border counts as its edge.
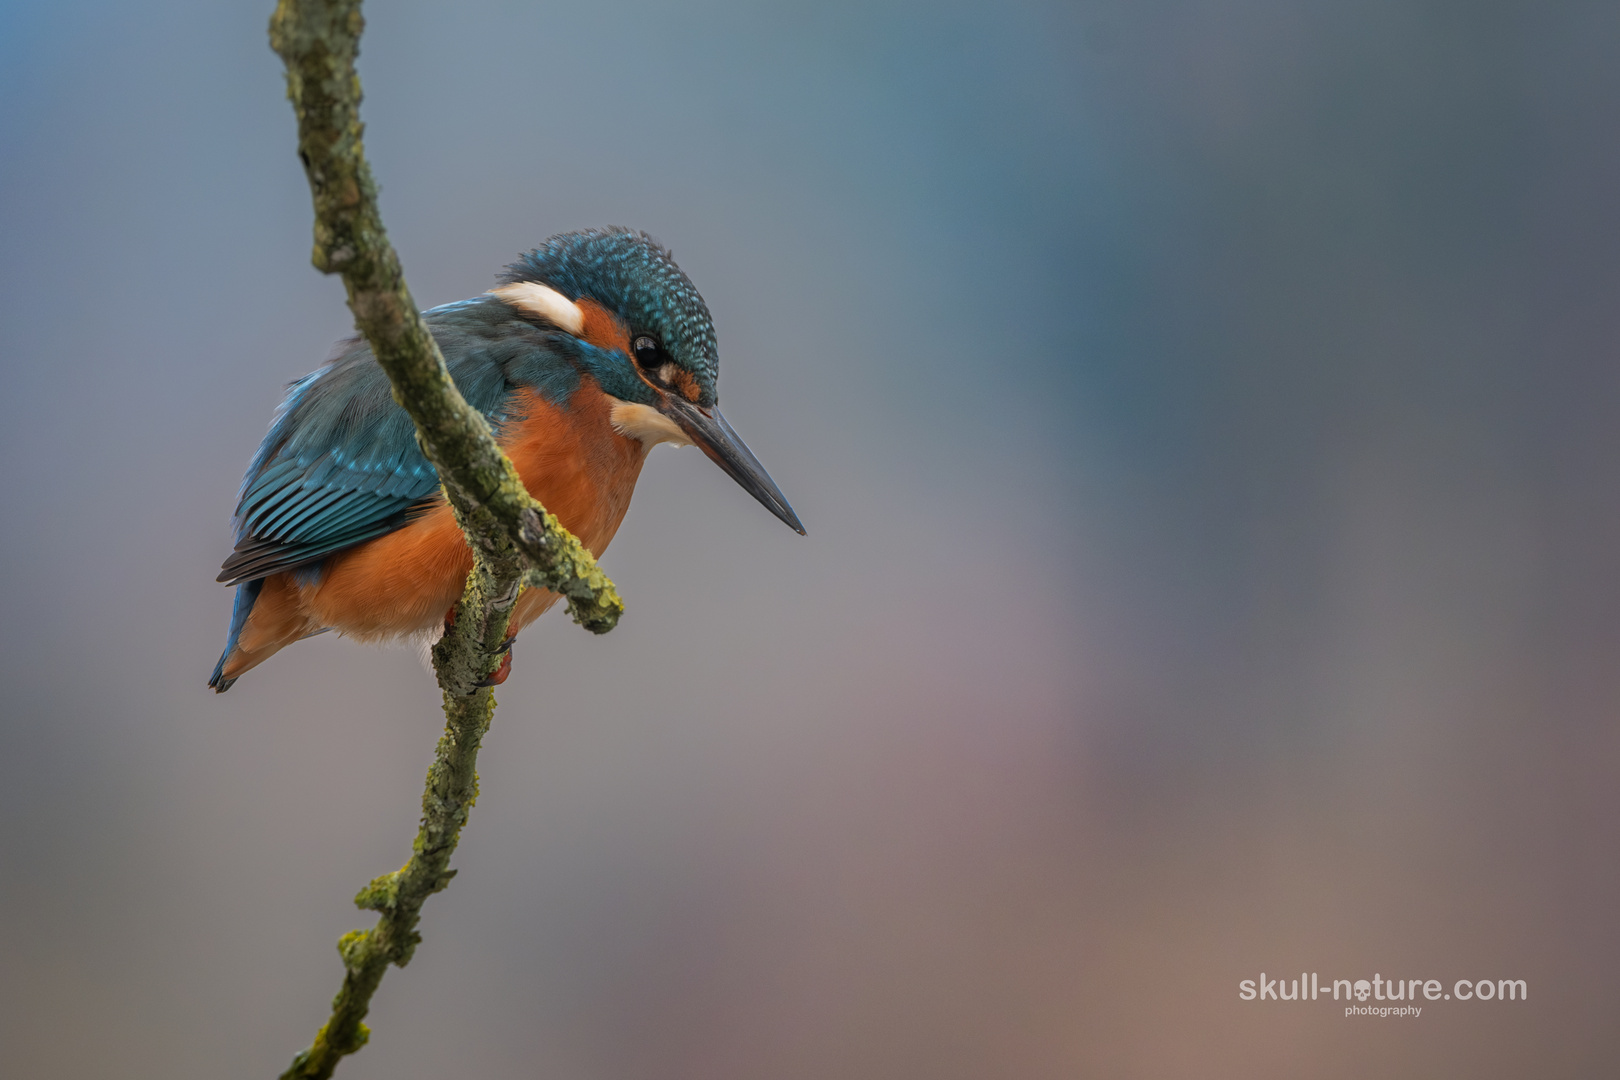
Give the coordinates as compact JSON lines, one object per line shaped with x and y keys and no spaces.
{"x":1207,"y":421}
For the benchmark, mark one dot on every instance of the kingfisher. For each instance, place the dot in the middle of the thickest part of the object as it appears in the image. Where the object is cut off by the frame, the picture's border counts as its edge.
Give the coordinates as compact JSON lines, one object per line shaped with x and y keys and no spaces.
{"x":592,"y":349}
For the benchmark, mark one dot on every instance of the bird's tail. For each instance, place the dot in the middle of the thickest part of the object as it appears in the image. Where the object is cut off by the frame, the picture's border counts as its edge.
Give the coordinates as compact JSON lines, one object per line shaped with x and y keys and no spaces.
{"x":247,"y":594}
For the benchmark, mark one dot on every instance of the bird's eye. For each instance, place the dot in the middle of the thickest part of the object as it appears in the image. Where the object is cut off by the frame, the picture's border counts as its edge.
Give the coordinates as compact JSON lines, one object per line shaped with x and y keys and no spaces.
{"x":647,"y":351}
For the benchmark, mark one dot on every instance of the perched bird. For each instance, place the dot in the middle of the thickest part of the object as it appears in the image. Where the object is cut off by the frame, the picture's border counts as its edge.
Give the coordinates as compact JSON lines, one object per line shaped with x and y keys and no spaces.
{"x":593,"y":349}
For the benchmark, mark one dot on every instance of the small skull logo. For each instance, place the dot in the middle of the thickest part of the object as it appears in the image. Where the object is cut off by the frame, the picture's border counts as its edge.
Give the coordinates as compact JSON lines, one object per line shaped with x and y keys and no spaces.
{"x":1363,"y":988}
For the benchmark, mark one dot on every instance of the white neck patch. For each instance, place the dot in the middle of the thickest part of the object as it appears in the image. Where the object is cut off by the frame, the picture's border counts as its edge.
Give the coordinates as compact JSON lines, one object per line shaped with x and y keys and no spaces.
{"x":636,"y":421}
{"x":548,"y":303}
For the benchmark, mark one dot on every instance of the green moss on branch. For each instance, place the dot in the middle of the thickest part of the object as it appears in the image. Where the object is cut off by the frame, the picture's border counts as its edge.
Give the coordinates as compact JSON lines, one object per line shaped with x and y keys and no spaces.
{"x":515,"y":542}
{"x":461,"y":658}
{"x":318,"y":41}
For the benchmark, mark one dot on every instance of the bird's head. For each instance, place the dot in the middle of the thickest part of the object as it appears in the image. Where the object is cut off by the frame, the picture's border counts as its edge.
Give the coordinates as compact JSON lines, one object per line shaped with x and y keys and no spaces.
{"x":642,"y":329}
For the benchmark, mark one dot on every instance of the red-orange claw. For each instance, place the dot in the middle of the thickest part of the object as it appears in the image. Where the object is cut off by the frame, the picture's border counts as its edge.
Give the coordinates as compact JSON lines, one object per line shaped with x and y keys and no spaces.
{"x":499,"y":675}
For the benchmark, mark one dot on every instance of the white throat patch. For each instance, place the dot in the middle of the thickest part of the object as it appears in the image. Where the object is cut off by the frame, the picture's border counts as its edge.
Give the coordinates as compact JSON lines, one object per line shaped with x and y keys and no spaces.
{"x":637,"y":421}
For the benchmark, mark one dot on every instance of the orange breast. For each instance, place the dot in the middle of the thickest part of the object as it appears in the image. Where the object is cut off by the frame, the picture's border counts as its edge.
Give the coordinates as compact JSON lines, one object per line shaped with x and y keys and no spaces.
{"x":570,"y":459}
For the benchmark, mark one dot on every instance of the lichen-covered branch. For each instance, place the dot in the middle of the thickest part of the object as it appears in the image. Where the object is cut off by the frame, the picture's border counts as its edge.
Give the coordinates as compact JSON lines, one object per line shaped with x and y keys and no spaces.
{"x":318,"y":41}
{"x":515,"y":542}
{"x":462,"y":656}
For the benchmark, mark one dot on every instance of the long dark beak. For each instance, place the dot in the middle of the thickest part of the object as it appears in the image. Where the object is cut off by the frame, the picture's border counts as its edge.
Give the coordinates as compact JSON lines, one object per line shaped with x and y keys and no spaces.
{"x":709,"y":430}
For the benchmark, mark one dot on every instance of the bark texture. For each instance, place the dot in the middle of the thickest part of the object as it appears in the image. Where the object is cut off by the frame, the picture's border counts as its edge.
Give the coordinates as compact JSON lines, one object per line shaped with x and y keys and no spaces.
{"x":515,"y":542}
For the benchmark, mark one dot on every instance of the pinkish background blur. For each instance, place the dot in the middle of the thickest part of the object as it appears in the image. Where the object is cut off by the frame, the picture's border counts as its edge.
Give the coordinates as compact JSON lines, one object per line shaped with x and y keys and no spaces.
{"x":1207,"y":421}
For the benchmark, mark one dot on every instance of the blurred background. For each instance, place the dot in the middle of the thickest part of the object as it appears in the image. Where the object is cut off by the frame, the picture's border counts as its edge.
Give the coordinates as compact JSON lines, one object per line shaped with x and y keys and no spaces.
{"x":1207,"y":423}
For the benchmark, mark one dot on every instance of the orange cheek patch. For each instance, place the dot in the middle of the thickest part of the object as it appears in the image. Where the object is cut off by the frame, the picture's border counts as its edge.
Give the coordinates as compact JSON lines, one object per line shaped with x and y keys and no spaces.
{"x":602,"y":328}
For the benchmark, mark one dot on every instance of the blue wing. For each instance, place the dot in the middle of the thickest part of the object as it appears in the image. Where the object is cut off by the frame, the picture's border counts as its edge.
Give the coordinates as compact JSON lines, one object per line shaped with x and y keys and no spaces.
{"x":340,"y":465}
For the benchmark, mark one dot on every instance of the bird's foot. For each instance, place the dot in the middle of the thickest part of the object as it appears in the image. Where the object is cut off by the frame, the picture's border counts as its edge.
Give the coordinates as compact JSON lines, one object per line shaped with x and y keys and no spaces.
{"x":499,"y":675}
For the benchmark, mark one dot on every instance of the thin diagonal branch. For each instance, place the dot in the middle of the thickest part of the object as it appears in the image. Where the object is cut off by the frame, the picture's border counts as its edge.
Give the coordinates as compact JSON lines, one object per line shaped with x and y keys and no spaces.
{"x":467,"y":649}
{"x":515,"y":542}
{"x":318,"y":41}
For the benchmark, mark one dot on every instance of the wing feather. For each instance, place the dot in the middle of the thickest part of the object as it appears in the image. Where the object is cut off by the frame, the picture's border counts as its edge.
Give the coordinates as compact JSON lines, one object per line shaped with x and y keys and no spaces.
{"x":340,"y":464}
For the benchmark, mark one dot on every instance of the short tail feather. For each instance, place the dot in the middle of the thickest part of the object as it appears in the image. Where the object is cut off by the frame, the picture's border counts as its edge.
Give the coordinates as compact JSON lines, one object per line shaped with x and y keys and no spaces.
{"x":247,"y":594}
